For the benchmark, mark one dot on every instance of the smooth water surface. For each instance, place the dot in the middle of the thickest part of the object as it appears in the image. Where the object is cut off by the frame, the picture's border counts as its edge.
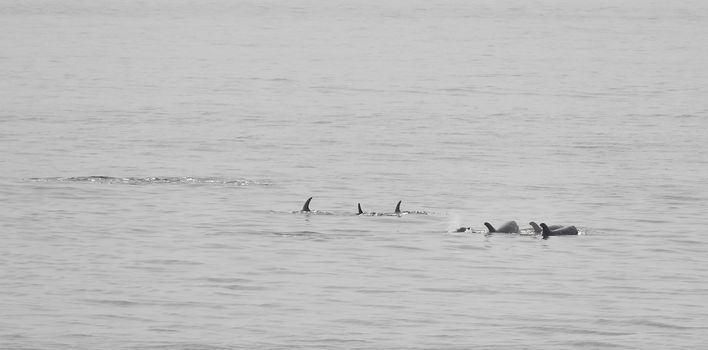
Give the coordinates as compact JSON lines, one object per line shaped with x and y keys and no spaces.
{"x":155,"y":154}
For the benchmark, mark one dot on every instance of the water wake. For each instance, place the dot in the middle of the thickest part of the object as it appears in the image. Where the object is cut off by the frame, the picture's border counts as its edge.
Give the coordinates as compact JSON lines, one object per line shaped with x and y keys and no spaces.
{"x":154,"y":180}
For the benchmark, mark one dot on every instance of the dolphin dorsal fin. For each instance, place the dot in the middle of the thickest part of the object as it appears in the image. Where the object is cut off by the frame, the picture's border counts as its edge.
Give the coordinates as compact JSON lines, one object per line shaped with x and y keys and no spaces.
{"x":398,"y":208}
{"x":546,"y":230}
{"x":490,"y":227}
{"x":360,"y":211}
{"x":535,"y":227}
{"x":306,"y":207}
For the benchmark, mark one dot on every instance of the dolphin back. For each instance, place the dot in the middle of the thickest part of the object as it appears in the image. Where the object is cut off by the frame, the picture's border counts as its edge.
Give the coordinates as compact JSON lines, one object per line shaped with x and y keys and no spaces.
{"x":563,"y":231}
{"x":566,"y":231}
{"x":509,"y":227}
{"x":538,"y":229}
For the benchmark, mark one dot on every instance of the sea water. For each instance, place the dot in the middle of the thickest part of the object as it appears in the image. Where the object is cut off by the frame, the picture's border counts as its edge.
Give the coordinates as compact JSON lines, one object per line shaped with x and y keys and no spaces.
{"x":155,"y":156}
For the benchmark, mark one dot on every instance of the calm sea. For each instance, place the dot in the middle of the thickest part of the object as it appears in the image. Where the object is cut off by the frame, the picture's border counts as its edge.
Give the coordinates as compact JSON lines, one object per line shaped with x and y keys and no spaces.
{"x":154,"y":155}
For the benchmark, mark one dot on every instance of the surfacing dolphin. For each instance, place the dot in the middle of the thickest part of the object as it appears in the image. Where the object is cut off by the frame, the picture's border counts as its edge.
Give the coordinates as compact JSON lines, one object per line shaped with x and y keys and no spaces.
{"x":538,"y":229}
{"x":400,"y":212}
{"x":396,"y":212}
{"x":508,"y":227}
{"x":306,"y":207}
{"x":398,"y":209}
{"x":361,"y":212}
{"x":563,"y":231}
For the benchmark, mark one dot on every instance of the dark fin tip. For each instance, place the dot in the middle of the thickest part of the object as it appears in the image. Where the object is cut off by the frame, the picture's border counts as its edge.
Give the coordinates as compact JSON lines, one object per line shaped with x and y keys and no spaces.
{"x":306,"y":207}
{"x":490,"y":227}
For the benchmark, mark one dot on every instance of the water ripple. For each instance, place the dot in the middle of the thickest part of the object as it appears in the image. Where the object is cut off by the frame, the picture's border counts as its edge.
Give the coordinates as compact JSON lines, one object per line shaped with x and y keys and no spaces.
{"x":153,"y":180}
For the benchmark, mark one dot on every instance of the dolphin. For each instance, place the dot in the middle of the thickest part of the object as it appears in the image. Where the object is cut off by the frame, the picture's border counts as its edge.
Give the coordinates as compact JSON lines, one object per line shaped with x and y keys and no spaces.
{"x":398,"y":209}
{"x":537,"y":229}
{"x":361,"y":212}
{"x":306,"y":207}
{"x":396,"y":212}
{"x":563,"y":231}
{"x":509,"y":227}
{"x":400,"y":212}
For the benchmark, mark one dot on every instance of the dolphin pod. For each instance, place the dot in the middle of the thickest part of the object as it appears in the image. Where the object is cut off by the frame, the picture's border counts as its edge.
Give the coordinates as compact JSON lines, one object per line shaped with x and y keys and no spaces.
{"x":397,"y":211}
{"x":507,"y":227}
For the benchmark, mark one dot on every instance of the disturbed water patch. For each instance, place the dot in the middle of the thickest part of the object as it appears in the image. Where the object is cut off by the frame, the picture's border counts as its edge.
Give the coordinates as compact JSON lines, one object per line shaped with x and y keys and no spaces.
{"x":154,"y":180}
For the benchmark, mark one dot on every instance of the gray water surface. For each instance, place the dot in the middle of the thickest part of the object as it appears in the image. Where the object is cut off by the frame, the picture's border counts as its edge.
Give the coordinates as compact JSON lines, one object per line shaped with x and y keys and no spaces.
{"x":154,"y":156}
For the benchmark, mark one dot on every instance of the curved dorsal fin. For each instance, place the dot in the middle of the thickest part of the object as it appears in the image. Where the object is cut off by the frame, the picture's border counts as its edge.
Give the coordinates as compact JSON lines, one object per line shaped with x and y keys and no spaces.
{"x":398,"y":208}
{"x":546,"y":230}
{"x":306,"y":207}
{"x":490,"y":227}
{"x":360,"y":211}
{"x":535,"y":227}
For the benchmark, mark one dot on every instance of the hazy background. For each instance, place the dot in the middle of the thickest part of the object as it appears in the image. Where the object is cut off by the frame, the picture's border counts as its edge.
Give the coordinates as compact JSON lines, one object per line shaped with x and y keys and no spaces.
{"x":212,"y":122}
